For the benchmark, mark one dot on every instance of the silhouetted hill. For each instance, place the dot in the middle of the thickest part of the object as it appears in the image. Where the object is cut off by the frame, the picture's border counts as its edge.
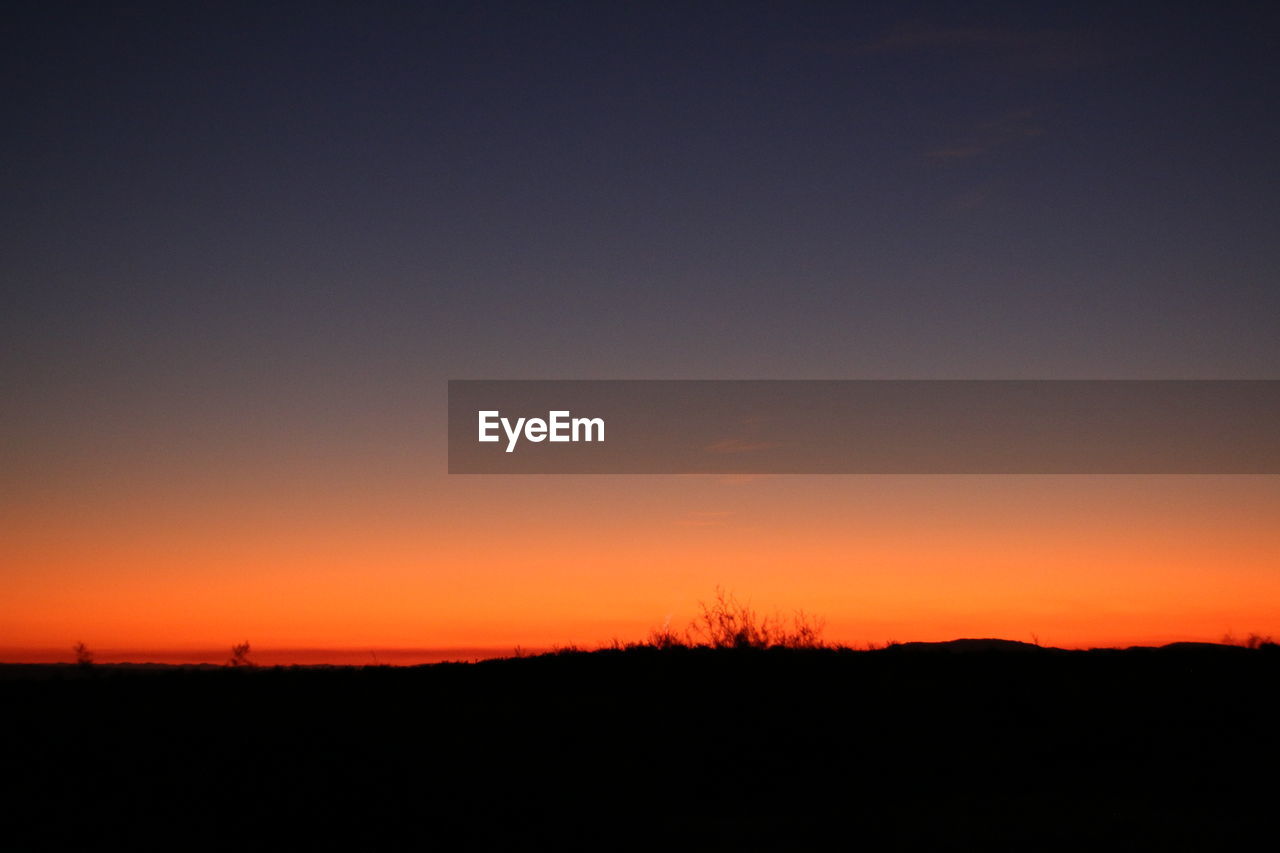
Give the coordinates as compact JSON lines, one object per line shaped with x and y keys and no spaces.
{"x":1205,"y":649}
{"x":975,"y":742}
{"x":969,"y":646}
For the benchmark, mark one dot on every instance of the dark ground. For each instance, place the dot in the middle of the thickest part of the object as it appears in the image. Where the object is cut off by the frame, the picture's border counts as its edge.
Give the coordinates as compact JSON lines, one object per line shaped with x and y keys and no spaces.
{"x":985,"y":746}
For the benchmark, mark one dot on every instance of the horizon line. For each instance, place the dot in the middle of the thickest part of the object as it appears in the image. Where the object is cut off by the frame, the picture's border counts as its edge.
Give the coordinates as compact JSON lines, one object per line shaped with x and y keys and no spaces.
{"x":418,"y":655}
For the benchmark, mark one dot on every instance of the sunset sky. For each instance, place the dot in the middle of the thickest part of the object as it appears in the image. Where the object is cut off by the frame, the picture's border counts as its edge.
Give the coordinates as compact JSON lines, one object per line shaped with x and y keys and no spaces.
{"x":246,"y":245}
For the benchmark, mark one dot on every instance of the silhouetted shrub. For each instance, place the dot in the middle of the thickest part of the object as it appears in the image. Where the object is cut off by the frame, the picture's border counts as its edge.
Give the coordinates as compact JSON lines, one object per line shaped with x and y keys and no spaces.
{"x":1253,"y":641}
{"x":240,"y":655}
{"x":84,"y":657}
{"x":665,"y":638}
{"x":726,"y":623}
{"x":805,"y":633}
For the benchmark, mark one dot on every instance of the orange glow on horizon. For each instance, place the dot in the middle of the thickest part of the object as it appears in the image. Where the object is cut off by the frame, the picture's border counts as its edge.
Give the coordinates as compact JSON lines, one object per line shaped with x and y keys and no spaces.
{"x":495,"y":563}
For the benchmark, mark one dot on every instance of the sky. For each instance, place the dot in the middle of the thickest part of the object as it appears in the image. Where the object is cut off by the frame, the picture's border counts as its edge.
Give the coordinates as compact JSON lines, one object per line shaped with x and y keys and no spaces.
{"x":244,"y":247}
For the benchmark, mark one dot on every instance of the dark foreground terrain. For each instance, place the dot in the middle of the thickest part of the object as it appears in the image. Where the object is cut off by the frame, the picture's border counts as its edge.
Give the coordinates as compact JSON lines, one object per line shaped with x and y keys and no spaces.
{"x":1000,"y":744}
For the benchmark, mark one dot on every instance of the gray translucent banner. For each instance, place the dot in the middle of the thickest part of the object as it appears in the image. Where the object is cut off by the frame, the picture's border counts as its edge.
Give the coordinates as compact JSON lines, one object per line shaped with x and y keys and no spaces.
{"x":864,"y":427}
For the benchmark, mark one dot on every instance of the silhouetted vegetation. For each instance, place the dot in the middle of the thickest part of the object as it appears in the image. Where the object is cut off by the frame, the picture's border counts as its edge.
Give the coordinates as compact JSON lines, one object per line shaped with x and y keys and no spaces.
{"x":240,"y":655}
{"x":84,"y":657}
{"x":711,"y":735}
{"x":919,"y":745}
{"x":1252,"y":641}
{"x":724,"y":622}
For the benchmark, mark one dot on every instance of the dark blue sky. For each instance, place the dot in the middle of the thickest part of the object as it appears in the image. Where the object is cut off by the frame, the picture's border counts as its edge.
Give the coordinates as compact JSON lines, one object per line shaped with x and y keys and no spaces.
{"x":250,"y":213}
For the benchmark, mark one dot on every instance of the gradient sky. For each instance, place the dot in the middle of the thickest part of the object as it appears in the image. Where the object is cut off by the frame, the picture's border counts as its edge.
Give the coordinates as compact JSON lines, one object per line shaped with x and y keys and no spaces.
{"x":245,"y":245}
